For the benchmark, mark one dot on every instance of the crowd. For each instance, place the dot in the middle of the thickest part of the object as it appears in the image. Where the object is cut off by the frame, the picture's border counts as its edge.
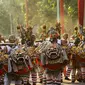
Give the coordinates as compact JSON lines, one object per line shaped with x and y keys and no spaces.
{"x":53,"y":57}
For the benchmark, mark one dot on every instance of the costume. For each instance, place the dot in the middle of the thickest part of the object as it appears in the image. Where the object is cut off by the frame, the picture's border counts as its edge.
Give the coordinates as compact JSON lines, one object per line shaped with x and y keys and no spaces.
{"x":18,"y":66}
{"x":65,"y":46}
{"x":82,"y":59}
{"x":74,"y":62}
{"x":52,"y":58}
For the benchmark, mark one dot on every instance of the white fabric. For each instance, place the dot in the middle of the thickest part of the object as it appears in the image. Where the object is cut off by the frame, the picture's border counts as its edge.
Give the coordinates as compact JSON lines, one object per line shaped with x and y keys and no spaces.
{"x":59,"y":41}
{"x":16,"y":47}
{"x":71,"y":44}
{"x":8,"y":48}
{"x":2,"y":47}
{"x":6,"y":80}
{"x":12,"y":83}
{"x":59,"y":77}
{"x":47,"y":39}
{"x":9,"y":65}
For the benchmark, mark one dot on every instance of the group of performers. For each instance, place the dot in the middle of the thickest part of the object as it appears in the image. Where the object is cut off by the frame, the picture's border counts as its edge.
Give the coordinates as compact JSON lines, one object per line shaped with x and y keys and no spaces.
{"x":53,"y":57}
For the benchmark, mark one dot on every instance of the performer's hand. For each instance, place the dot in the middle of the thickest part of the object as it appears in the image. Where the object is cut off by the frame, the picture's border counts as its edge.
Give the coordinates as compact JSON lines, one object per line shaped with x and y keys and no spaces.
{"x":80,"y":26}
{"x":66,"y":62}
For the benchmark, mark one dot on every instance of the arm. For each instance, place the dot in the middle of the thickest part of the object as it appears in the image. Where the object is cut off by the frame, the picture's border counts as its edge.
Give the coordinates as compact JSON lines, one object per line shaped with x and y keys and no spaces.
{"x":81,"y":30}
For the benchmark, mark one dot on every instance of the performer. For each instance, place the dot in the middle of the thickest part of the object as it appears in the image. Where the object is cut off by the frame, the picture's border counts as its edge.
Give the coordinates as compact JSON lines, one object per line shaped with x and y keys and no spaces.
{"x":82,"y":32}
{"x":58,"y":29}
{"x":20,"y":64}
{"x":65,"y":43}
{"x":30,"y":41}
{"x":42,"y":38}
{"x":7,"y":50}
{"x":43,"y":34}
{"x":17,"y":63}
{"x":22,"y":33}
{"x":75,"y":60}
{"x":28,"y":38}
{"x":2,"y":40}
{"x":53,"y":62}
{"x":77,"y":36}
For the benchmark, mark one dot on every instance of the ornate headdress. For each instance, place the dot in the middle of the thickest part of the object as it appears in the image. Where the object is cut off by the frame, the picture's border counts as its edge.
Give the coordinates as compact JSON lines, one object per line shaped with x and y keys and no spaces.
{"x":52,"y":32}
{"x":12,"y":39}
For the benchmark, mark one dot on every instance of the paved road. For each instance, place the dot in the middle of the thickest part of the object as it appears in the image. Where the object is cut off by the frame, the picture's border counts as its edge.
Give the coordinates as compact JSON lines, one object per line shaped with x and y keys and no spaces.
{"x":69,"y":83}
{"x":65,"y":83}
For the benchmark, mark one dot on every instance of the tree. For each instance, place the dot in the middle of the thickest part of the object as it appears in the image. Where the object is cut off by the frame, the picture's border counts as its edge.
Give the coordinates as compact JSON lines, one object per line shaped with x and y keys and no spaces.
{"x":71,"y":8}
{"x":4,"y":21}
{"x":39,"y":12}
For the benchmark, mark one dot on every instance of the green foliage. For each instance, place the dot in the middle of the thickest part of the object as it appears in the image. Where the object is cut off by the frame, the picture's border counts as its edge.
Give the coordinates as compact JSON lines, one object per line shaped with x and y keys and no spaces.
{"x":10,"y":13}
{"x":48,"y":9}
{"x":4,"y":21}
{"x":71,"y":8}
{"x":39,"y":12}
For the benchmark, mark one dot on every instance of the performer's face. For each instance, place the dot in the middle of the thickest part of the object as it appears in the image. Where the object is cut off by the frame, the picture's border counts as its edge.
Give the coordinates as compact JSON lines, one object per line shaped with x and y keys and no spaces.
{"x":65,"y":36}
{"x":84,"y":30}
{"x":19,"y":30}
{"x":43,"y":38}
{"x":54,"y":35}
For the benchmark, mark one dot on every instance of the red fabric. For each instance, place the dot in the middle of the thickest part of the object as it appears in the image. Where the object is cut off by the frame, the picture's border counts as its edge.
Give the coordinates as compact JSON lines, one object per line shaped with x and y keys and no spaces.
{"x":64,"y":71}
{"x":82,"y":60}
{"x":21,"y":72}
{"x":5,"y":68}
{"x":81,"y":11}
{"x":52,"y":36}
{"x":62,"y":15}
{"x":24,"y":71}
{"x":38,"y":62}
{"x":54,"y":66}
{"x":1,"y":72}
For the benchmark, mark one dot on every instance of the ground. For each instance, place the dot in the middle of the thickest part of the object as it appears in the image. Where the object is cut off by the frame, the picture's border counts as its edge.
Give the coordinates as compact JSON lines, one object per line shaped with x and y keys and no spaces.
{"x":68,"y":83}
